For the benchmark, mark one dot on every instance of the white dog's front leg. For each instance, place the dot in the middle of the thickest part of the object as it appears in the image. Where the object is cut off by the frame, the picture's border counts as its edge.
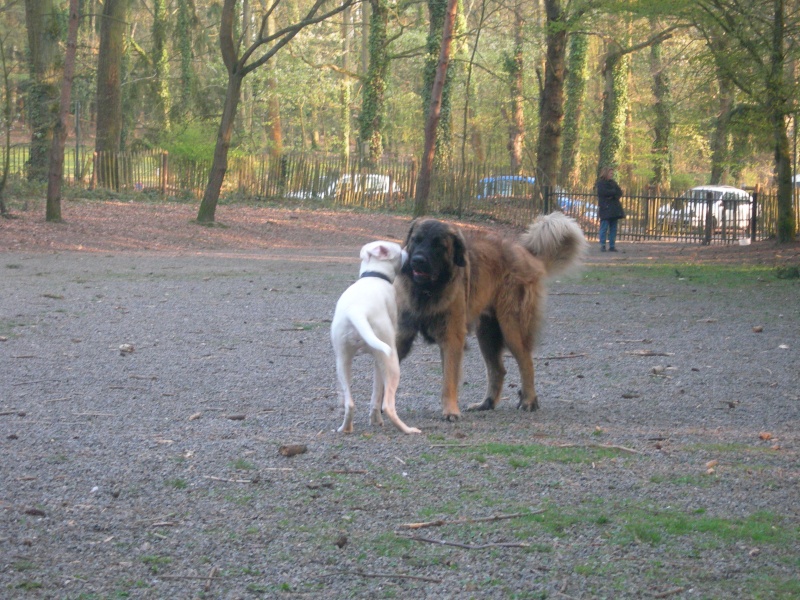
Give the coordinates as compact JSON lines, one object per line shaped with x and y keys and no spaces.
{"x":376,"y":403}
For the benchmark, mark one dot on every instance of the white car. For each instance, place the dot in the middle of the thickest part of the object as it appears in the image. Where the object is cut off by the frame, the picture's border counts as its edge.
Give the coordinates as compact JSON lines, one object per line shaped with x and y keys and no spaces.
{"x":730,"y":206}
{"x":349,"y":185}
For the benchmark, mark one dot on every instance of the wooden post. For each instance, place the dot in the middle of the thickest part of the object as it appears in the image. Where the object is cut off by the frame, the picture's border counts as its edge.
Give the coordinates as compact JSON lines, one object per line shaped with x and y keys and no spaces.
{"x":164,"y":167}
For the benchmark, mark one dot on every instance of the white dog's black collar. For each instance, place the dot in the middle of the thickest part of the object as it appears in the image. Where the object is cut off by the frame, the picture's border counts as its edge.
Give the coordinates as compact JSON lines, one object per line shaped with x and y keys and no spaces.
{"x":377,"y":274}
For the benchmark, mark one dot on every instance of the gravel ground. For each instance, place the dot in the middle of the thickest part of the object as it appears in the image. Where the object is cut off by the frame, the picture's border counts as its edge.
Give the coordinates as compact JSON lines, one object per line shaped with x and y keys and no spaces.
{"x":663,"y":462}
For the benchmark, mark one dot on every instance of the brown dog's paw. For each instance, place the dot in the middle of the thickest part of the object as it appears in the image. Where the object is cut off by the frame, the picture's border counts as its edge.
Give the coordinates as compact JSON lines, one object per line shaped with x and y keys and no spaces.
{"x":529,"y":405}
{"x":485,"y":405}
{"x":452,"y":417}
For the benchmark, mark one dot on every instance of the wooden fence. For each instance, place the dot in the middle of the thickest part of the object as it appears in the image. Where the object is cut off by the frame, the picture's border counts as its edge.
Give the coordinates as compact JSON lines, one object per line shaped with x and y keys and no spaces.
{"x":474,"y":191}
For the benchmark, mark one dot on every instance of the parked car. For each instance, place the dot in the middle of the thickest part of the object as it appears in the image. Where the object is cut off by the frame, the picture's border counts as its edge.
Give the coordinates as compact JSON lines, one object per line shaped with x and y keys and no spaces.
{"x":505,"y":187}
{"x":367,"y":184}
{"x":576,"y":208}
{"x":731,"y":206}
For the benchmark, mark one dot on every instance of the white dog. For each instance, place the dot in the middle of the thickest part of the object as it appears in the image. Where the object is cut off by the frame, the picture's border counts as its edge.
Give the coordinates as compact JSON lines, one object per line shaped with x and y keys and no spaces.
{"x":365,"y":321}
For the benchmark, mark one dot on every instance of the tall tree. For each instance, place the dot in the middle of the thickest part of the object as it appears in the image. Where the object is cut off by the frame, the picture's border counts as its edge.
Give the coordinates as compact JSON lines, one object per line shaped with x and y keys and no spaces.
{"x":514,"y":70}
{"x":721,"y":134}
{"x":577,"y":75}
{"x":238,"y":65}
{"x":615,"y":96}
{"x":551,"y":108}
{"x":344,"y":142}
{"x":43,"y":21}
{"x":6,"y":69}
{"x":109,"y":86}
{"x":374,"y":89}
{"x":56,"y":172}
{"x":163,"y":101}
{"x":758,"y":54}
{"x":438,"y":12}
{"x":662,"y":124}
{"x":434,"y":112}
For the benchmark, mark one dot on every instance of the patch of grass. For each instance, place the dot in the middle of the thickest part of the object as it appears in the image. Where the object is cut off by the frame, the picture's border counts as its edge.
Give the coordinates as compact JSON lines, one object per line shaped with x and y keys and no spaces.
{"x":733,"y":276}
{"x":23,"y":565}
{"x":156,"y":562}
{"x":241,"y":464}
{"x":29,"y":585}
{"x":537,"y":453}
{"x":178,"y":484}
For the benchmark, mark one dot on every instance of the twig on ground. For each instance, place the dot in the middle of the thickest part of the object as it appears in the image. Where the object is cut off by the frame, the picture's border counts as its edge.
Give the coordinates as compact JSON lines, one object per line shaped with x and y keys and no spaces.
{"x":383,"y":576}
{"x":441,"y":522}
{"x":562,"y":357}
{"x":93,"y":414}
{"x":210,"y":579}
{"x":669,"y":593}
{"x":228,"y":480}
{"x":188,"y":577}
{"x":455,"y":445}
{"x":471,"y":546}
{"x":349,"y":472}
{"x":650,"y":353}
{"x":602,"y":446}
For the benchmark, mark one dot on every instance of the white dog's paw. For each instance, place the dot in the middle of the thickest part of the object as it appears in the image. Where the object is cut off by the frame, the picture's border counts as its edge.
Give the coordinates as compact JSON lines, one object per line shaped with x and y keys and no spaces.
{"x":375,"y":418}
{"x":343,"y":429}
{"x":413,"y":430}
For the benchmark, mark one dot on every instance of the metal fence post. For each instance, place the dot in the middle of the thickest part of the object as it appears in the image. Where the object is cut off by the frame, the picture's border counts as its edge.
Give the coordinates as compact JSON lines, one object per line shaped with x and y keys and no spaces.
{"x":753,"y":215}
{"x":546,"y":193}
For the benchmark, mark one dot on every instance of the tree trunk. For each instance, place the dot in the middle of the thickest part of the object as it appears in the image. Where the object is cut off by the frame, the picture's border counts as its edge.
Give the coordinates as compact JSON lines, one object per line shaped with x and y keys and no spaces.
{"x":662,"y":126}
{"x":374,"y":91}
{"x":577,"y":74}
{"x":719,"y":139}
{"x":516,"y":117}
{"x":438,"y":11}
{"x":6,"y":129}
{"x":44,"y":32}
{"x":219,"y":166}
{"x":274,"y":129}
{"x":163,"y":102}
{"x":551,"y":112}
{"x":109,"y":88}
{"x":434,"y":112}
{"x":778,"y":110}
{"x":344,"y":96}
{"x":56,"y":172}
{"x":615,"y":99}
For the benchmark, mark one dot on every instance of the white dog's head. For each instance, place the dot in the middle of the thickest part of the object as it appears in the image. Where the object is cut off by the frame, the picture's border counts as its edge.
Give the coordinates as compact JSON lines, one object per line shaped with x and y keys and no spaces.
{"x":384,"y":257}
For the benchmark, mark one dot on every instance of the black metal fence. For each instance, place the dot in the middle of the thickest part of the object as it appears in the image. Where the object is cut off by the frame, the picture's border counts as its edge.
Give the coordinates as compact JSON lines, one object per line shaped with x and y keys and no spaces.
{"x":474,"y":190}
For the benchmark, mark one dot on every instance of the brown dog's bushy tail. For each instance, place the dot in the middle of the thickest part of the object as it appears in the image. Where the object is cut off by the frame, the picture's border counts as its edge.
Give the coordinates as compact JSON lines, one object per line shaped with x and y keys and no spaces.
{"x":556,"y":240}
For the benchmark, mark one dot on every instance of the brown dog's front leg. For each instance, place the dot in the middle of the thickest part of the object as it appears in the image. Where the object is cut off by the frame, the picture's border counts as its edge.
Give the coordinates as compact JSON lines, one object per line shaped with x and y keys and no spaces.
{"x":452,"y":355}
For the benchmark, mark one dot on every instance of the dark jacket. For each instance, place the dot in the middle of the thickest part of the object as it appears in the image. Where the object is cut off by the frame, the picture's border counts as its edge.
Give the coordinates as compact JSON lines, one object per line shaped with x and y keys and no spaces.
{"x":608,"y":204}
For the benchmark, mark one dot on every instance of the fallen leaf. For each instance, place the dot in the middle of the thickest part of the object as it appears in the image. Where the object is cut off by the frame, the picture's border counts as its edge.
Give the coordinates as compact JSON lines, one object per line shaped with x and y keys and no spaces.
{"x":758,"y":329}
{"x":765,"y":435}
{"x":195,"y":416}
{"x":711,"y":464}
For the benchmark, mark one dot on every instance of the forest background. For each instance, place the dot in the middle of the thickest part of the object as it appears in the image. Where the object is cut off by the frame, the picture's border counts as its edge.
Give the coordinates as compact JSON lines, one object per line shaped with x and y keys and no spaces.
{"x":674,"y":93}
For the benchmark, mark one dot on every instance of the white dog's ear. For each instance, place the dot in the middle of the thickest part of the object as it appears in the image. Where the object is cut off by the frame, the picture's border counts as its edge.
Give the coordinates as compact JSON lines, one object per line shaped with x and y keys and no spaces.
{"x":404,"y":257}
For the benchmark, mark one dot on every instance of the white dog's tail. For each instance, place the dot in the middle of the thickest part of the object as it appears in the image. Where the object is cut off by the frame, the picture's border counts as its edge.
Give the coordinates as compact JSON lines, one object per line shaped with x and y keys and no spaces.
{"x":364,"y":329}
{"x":557,"y":240}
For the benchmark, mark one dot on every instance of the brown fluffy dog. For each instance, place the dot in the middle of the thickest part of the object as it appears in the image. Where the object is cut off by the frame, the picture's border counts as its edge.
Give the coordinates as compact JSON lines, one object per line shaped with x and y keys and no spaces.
{"x":453,"y":283}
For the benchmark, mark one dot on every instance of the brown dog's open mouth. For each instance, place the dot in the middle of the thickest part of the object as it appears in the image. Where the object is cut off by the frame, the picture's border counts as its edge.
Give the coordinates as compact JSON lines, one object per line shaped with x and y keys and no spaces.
{"x":420,"y":276}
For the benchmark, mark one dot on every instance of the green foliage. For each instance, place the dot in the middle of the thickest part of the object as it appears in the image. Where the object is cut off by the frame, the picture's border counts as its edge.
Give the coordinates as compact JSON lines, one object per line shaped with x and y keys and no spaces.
{"x":195,"y":142}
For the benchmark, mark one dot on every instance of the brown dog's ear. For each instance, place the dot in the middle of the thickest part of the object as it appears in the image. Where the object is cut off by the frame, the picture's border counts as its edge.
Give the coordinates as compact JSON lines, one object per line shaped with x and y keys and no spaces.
{"x":459,"y":249}
{"x":410,"y":231}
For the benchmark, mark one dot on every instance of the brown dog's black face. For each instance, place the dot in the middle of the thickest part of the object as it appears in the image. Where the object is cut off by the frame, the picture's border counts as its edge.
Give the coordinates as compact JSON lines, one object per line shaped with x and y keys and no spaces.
{"x":435,"y":250}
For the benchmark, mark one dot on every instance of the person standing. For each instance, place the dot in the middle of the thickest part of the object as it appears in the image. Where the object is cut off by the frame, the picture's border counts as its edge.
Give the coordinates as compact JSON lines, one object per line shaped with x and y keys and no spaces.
{"x":609,"y":208}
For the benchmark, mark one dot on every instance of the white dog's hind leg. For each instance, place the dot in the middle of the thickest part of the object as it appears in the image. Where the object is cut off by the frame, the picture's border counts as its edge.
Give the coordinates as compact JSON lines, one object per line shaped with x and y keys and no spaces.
{"x":392,"y":380}
{"x":344,"y":372}
{"x":376,"y":403}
